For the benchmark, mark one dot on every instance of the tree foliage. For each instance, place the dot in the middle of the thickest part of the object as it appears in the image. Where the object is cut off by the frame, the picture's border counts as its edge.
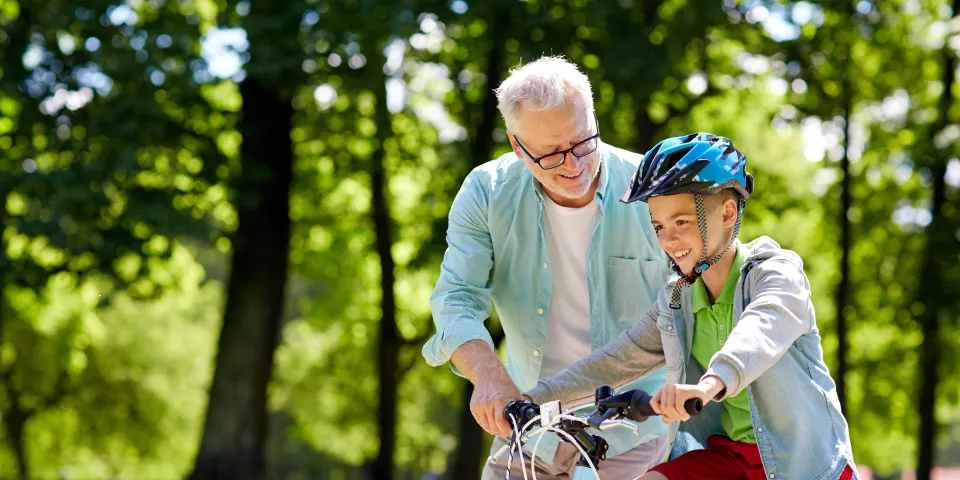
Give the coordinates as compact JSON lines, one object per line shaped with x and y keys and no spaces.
{"x":129,"y":132}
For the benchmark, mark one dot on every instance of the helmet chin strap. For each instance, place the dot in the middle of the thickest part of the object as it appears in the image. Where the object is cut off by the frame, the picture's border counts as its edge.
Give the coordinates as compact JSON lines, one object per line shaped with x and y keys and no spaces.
{"x":703,"y":264}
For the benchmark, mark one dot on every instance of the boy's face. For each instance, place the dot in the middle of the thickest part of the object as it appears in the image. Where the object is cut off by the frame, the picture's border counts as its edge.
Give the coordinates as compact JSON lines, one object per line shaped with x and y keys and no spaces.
{"x":675,"y":221}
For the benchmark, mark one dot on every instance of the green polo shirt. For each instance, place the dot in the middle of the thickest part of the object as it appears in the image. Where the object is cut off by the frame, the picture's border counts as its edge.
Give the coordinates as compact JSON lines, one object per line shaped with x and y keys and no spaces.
{"x":711,"y":329}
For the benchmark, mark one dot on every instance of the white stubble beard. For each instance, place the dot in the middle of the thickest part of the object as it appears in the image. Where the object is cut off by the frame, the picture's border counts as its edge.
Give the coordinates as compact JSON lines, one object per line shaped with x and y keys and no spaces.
{"x":583,"y":189}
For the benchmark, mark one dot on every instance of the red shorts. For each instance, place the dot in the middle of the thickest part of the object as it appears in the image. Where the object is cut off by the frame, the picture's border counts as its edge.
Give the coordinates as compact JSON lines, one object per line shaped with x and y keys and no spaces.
{"x":723,"y":459}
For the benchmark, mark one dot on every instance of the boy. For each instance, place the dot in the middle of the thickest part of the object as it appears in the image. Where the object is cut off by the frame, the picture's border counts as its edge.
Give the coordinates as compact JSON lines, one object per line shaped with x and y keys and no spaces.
{"x":738,"y":322}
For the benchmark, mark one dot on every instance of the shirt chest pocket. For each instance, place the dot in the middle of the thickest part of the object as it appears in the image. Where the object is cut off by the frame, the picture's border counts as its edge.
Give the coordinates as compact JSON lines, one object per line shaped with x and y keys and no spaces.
{"x":672,"y":354}
{"x":632,"y":285}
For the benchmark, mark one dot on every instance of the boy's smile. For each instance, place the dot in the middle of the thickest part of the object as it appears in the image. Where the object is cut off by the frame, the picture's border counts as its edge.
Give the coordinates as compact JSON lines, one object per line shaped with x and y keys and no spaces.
{"x":675,"y":221}
{"x":681,"y":254}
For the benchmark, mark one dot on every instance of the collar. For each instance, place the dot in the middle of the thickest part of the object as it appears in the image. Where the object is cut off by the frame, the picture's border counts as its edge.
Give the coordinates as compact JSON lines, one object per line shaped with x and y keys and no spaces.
{"x":700,"y":300}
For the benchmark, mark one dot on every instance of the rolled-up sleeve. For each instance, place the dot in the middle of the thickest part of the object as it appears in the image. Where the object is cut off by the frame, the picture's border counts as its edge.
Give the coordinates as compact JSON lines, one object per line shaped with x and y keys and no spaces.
{"x":461,"y":300}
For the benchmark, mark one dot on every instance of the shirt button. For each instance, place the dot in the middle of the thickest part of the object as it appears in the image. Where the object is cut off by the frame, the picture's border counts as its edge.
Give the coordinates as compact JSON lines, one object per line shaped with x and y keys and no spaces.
{"x":669,"y":327}
{"x":540,"y":311}
{"x":759,"y":429}
{"x":544,"y":266}
{"x":721,"y":327}
{"x":771,"y":475}
{"x":536,"y":353}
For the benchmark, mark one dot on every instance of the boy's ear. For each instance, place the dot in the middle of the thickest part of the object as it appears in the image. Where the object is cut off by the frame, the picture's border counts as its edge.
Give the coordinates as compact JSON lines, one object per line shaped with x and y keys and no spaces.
{"x":730,"y":211}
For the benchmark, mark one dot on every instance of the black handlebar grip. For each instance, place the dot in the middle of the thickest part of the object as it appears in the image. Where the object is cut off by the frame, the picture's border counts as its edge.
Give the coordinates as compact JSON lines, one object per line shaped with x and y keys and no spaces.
{"x":522,"y":410}
{"x":640,"y":408}
{"x":693,"y":406}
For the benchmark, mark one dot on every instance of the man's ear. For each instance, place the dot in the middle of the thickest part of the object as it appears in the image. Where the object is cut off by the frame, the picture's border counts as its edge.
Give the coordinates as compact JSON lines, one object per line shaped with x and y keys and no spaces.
{"x":516,"y":146}
{"x":730,"y":211}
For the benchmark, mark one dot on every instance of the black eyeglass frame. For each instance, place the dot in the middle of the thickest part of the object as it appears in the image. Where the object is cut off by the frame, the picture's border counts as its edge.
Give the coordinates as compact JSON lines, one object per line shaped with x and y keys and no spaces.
{"x":564,"y":152}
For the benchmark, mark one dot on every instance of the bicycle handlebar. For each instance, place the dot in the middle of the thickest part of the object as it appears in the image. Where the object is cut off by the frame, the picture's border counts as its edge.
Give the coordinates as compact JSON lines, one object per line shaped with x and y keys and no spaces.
{"x":633,"y":405}
{"x":636,"y":405}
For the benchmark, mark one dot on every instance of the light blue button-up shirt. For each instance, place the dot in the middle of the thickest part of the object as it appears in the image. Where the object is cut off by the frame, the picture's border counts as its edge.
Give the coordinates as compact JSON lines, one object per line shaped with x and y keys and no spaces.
{"x":497,"y":255}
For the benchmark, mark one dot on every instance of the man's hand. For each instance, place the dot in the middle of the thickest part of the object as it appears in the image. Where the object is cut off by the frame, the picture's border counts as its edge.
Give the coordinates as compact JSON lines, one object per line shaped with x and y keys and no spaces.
{"x":669,"y":400}
{"x":490,"y":397}
{"x":493,"y":388}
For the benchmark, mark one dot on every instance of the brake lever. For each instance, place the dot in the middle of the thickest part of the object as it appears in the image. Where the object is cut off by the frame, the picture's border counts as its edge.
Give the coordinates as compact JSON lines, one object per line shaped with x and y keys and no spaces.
{"x":607,"y":425}
{"x":595,"y":421}
{"x":496,"y":455}
{"x":503,"y":448}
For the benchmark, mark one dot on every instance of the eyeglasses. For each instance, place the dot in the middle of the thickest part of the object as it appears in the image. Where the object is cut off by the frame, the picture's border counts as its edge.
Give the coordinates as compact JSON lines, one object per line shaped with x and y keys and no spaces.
{"x":555,"y":159}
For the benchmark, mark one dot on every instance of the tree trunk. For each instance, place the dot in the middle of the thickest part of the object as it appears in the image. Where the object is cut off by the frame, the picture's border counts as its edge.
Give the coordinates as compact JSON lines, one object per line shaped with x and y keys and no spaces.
{"x":468,"y":458}
{"x":932,"y":295}
{"x":13,"y":419}
{"x":843,"y":286}
{"x":390,"y":341}
{"x":482,"y":143}
{"x":15,"y":424}
{"x":466,"y":464}
{"x":932,"y":291}
{"x":236,"y":424}
{"x":646,"y":127}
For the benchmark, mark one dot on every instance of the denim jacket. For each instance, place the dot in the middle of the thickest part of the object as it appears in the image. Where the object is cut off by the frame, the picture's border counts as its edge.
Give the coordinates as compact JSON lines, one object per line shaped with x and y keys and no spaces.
{"x":497,"y":255}
{"x":773,"y":353}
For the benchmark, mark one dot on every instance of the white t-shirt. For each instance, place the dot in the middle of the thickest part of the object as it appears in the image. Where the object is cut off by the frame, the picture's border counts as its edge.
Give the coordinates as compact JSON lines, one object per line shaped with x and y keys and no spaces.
{"x":567,"y":231}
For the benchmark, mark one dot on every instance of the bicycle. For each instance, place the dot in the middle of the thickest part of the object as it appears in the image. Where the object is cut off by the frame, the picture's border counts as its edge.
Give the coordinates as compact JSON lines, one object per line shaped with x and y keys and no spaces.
{"x":610,"y":412}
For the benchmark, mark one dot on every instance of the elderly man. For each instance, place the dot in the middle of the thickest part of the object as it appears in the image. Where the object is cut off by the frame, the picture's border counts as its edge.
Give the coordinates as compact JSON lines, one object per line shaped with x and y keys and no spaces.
{"x":540,"y":233}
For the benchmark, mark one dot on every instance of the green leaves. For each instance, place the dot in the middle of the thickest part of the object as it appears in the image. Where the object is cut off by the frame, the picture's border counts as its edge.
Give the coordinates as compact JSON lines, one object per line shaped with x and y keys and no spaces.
{"x":120,"y":147}
{"x":131,"y":388}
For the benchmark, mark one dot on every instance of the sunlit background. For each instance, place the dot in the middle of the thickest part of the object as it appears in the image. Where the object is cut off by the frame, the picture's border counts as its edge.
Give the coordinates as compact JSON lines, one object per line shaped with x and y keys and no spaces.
{"x":160,"y":156}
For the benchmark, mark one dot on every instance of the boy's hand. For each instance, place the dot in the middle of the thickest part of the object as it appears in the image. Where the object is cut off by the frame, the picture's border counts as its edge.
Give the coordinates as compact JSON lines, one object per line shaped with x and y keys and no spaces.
{"x":669,"y":400}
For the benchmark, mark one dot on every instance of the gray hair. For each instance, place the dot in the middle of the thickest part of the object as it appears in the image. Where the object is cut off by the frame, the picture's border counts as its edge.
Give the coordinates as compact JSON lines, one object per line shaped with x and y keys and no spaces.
{"x":541,"y":85}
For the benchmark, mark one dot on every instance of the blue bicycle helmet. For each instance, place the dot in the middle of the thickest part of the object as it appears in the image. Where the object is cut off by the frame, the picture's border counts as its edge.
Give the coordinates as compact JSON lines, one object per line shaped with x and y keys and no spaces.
{"x":701,"y":164}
